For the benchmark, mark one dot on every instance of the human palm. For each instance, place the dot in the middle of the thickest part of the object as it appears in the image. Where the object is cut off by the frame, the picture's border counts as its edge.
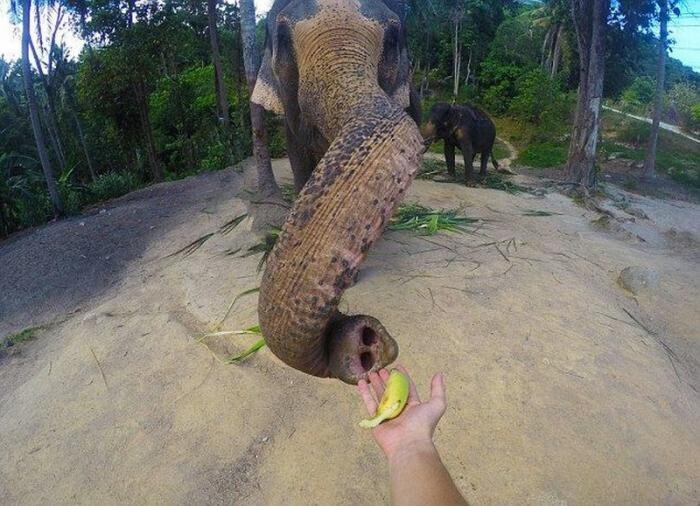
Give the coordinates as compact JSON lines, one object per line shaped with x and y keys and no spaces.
{"x":416,"y":424}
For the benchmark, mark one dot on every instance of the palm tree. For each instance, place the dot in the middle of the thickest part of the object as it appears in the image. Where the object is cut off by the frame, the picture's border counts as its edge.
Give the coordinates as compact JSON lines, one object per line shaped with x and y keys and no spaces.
{"x":664,"y":14}
{"x":221,"y":95}
{"x":33,"y":106}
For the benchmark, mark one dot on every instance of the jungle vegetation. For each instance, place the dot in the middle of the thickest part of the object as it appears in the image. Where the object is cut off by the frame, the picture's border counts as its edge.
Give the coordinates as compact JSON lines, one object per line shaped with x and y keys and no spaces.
{"x":160,"y":89}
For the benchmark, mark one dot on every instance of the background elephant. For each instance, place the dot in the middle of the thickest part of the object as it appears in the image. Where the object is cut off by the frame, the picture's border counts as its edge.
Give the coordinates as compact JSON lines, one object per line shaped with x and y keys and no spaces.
{"x":339,"y":72}
{"x":466,"y":127}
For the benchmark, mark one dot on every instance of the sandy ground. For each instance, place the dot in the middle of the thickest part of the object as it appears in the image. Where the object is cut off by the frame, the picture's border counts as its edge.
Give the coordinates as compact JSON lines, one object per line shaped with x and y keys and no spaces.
{"x":563,"y":388}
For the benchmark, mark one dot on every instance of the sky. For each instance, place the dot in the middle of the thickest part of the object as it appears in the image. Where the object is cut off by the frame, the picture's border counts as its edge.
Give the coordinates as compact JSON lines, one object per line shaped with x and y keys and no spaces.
{"x":685,"y":30}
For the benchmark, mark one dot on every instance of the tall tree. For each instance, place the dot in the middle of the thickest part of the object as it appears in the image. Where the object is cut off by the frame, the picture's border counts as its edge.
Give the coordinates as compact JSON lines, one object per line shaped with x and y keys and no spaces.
{"x":650,"y":159}
{"x":33,"y":106}
{"x":251,"y":60}
{"x":221,"y":94}
{"x":590,"y":21}
{"x":457,"y":17}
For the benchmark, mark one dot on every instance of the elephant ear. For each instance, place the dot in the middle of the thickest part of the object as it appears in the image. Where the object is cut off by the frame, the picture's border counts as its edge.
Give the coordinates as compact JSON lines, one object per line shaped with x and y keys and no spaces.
{"x":399,"y":7}
{"x":267,"y":89}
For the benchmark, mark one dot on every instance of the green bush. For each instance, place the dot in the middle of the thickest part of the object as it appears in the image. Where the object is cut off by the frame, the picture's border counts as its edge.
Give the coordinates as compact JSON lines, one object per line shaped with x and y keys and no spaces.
{"x":111,"y":185}
{"x":634,"y":132}
{"x":640,"y":93}
{"x":695,"y":117}
{"x":685,"y":99}
{"x":540,"y":101}
{"x":500,"y":85}
{"x":544,"y":154}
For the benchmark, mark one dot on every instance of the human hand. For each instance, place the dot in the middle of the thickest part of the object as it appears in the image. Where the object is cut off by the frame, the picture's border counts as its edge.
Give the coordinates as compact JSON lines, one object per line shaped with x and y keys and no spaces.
{"x":415,"y":426}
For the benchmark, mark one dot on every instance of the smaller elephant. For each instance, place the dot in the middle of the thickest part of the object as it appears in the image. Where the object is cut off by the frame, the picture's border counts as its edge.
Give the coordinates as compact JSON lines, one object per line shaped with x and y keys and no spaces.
{"x":466,"y":127}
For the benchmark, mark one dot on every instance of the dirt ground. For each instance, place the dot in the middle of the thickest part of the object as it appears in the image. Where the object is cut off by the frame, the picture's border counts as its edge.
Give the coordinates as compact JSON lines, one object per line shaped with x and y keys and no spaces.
{"x":563,"y":388}
{"x":627,"y":174}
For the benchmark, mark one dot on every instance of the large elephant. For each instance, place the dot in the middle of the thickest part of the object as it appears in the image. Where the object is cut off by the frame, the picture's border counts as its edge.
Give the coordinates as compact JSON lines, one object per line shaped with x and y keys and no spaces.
{"x":339,"y":72}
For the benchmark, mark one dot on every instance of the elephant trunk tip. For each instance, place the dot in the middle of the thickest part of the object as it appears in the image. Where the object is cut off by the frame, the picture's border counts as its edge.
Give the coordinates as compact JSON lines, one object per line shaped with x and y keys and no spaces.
{"x":357,"y":346}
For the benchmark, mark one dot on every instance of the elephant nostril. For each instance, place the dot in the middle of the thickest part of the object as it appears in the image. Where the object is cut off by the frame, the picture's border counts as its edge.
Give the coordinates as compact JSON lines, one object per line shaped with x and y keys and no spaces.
{"x":366,"y":360}
{"x":369,"y":336}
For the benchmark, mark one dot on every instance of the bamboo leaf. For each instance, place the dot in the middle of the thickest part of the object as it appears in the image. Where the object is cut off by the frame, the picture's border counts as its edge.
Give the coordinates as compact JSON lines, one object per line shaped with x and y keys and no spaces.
{"x":250,"y":351}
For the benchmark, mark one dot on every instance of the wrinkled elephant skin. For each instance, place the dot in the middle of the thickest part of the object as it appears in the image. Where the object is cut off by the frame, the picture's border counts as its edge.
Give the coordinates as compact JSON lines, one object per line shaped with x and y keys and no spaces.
{"x":338,"y":71}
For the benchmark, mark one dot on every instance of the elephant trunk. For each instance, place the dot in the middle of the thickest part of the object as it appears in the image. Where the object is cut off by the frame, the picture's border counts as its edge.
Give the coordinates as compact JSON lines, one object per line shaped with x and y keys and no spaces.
{"x":340,"y":213}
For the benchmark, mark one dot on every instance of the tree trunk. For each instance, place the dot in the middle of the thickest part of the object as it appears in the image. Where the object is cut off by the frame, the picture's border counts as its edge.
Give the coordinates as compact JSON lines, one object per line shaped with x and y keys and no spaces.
{"x":469,"y":68}
{"x":54,"y":137}
{"x":83,"y":143}
{"x":43,"y":152}
{"x":151,"y":151}
{"x":457,"y":56}
{"x":650,"y":160}
{"x":590,"y":20}
{"x":556,"y":56}
{"x":219,"y":83}
{"x":50,"y":115}
{"x":251,"y":60}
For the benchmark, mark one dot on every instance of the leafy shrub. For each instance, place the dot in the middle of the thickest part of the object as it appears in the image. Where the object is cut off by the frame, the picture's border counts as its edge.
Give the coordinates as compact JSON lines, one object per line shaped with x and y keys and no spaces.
{"x":111,"y":185}
{"x":695,"y":117}
{"x":217,"y":157}
{"x":634,"y":132}
{"x":640,"y":93}
{"x":687,"y":176}
{"x":540,"y":100}
{"x":544,"y":154}
{"x":684,"y":98}
{"x":500,"y":82}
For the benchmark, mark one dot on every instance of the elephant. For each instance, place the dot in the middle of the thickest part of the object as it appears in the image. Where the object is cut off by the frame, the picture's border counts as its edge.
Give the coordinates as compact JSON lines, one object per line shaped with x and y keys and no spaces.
{"x":466,"y":127}
{"x":339,"y":72}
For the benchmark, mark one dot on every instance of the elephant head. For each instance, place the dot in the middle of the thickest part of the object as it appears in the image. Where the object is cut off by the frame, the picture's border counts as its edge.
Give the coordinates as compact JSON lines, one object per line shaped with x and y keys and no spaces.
{"x":441,"y":121}
{"x":339,"y":72}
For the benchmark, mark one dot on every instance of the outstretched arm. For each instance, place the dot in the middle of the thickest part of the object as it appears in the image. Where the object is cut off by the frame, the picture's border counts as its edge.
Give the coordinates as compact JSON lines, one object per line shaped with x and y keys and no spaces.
{"x":418,"y":476}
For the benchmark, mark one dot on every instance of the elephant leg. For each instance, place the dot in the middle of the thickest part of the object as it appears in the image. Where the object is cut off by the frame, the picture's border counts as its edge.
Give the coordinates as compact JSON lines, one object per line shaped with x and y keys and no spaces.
{"x":450,"y":158}
{"x":468,"y":153}
{"x":302,"y":161}
{"x":485,"y":155}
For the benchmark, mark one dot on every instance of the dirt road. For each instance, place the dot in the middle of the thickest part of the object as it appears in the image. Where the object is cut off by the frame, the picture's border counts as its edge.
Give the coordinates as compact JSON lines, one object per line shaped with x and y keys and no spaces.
{"x":563,"y":388}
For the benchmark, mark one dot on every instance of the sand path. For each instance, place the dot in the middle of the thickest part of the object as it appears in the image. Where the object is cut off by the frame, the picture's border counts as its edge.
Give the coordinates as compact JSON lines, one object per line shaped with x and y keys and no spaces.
{"x":563,"y":388}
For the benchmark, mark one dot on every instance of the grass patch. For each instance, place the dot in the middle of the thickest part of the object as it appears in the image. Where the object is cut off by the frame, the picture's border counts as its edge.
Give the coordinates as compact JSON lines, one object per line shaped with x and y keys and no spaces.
{"x":430,"y":168}
{"x":543,"y":155}
{"x":610,"y":149}
{"x":498,"y":181}
{"x":676,"y":156}
{"x":265,"y":246}
{"x":427,"y":221}
{"x":18,"y":338}
{"x":493,"y":180}
{"x":289,"y":193}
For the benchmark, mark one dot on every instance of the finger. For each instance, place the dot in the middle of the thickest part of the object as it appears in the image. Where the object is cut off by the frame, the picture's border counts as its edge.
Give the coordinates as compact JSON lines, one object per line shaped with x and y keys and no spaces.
{"x":413,"y":397}
{"x":377,"y":384}
{"x":370,"y":403}
{"x":438,"y":397}
{"x":384,"y":375}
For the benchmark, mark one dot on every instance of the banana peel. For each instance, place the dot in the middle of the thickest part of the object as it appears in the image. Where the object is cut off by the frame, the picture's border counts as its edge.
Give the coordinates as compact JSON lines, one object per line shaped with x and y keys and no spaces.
{"x":393,"y":400}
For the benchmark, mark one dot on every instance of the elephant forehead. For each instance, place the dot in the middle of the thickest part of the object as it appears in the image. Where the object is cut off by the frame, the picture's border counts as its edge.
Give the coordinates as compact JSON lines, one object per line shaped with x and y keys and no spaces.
{"x":333,"y":19}
{"x":296,"y":10}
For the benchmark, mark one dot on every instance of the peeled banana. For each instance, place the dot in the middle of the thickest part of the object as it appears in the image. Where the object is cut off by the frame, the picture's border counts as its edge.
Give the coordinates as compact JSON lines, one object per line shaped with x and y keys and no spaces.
{"x":393,"y":400}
